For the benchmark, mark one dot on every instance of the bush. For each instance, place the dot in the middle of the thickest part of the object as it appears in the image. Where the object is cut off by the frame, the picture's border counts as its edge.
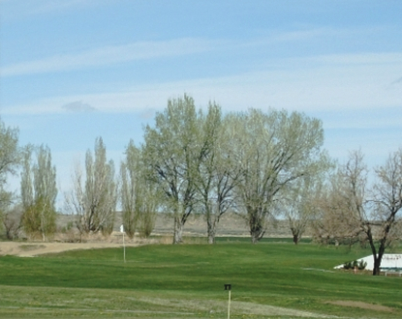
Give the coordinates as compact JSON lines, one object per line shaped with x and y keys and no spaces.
{"x":361,"y":265}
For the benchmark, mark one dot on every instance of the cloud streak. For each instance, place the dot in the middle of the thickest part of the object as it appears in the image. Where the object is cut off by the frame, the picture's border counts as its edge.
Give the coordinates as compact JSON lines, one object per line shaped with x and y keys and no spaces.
{"x":109,"y":55}
{"x":342,"y":82}
{"x":17,"y":9}
{"x":78,"y":106}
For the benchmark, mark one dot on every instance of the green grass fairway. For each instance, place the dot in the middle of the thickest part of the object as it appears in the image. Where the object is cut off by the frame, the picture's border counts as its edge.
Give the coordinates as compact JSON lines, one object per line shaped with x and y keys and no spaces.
{"x":269,"y":280}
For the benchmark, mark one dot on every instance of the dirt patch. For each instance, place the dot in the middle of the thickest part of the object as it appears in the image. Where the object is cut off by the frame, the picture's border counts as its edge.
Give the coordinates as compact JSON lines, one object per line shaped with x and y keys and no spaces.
{"x":35,"y":249}
{"x":31,"y":247}
{"x":360,"y":304}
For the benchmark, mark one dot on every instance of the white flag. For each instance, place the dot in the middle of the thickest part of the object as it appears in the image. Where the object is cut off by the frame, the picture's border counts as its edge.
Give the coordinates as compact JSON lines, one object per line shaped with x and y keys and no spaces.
{"x":121,"y":229}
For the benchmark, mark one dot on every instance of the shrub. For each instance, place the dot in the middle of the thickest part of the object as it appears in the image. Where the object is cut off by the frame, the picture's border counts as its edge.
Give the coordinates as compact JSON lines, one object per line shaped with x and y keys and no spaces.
{"x":361,"y":265}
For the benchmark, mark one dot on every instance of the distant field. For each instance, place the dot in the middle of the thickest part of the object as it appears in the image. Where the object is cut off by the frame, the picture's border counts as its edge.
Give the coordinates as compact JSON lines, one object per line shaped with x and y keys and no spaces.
{"x":273,"y":279}
{"x":230,"y":225}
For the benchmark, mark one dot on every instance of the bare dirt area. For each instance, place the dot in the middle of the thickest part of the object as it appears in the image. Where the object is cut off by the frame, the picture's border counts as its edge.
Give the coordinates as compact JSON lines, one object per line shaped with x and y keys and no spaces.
{"x":360,"y":304}
{"x":32,"y":249}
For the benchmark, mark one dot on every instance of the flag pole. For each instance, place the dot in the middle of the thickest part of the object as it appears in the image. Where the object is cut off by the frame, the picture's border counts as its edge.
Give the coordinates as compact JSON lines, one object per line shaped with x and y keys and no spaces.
{"x":228,"y":287}
{"x":124,"y":244}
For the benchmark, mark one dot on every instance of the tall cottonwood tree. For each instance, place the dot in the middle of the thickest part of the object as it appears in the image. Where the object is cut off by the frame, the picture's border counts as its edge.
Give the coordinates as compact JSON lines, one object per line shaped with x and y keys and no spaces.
{"x":298,"y":208}
{"x":94,"y":200}
{"x":129,"y":186}
{"x":217,"y":175}
{"x":271,"y":150}
{"x":139,"y":198}
{"x":38,"y":193}
{"x":9,"y":152}
{"x":173,"y":153}
{"x":297,"y":204}
{"x":9,"y":160}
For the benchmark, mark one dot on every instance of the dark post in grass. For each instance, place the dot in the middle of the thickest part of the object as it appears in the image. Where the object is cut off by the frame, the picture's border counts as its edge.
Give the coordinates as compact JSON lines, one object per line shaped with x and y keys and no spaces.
{"x":228,"y":287}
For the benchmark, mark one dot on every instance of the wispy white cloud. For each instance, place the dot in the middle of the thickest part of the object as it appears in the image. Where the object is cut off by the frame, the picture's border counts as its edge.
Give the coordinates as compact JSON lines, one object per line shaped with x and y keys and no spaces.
{"x":78,"y":106}
{"x":15,"y":9}
{"x":356,"y":59}
{"x":306,"y":34}
{"x":109,"y":55}
{"x":313,"y":84}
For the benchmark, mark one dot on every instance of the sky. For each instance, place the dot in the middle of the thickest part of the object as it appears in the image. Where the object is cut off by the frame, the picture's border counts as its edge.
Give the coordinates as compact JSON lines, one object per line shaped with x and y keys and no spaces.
{"x":75,"y":70}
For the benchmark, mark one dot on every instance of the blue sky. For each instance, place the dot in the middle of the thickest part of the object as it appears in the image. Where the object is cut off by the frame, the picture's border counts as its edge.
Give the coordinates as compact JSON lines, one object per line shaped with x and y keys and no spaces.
{"x":73,"y":70}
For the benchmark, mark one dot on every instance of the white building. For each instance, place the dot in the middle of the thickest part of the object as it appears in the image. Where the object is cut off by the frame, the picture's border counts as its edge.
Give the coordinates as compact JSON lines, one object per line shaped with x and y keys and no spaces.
{"x":389,"y":262}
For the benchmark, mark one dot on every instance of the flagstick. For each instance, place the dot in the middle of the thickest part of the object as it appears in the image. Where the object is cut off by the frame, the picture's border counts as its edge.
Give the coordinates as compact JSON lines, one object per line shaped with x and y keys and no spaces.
{"x":124,"y":247}
{"x":229,"y":288}
{"x":229,"y":305}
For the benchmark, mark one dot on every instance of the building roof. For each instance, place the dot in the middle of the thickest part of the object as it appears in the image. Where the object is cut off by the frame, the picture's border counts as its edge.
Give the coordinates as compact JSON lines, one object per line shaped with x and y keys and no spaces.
{"x":390,"y":261}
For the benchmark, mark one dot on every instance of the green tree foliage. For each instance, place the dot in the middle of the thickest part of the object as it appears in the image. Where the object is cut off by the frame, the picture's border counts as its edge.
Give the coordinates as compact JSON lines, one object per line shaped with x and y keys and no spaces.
{"x":298,"y":204}
{"x":139,"y":198}
{"x":272,"y":150}
{"x":9,"y":152}
{"x":38,"y":193}
{"x":217,"y":175}
{"x":94,"y":201}
{"x":173,"y":153}
{"x":9,"y":160}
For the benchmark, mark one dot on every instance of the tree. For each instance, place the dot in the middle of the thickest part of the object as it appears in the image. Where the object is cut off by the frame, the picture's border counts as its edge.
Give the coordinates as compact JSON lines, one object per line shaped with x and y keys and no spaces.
{"x":139,"y":197}
{"x":9,"y":160}
{"x":298,"y":202}
{"x":173,"y":153}
{"x":217,"y":175}
{"x":129,"y":190}
{"x":340,"y":205}
{"x":94,"y":202}
{"x":11,"y":220}
{"x":38,"y":193}
{"x":298,"y":208}
{"x":271,"y":150}
{"x":356,"y":212}
{"x":9,"y":152}
{"x":387,"y":202}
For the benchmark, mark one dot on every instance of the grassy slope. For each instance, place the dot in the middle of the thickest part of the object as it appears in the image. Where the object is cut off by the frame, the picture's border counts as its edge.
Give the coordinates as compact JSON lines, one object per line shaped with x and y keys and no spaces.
{"x":187,"y":282}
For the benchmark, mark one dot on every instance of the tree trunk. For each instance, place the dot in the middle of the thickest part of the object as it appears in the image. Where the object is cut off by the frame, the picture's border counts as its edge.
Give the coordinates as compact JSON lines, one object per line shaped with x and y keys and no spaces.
{"x":377,"y":264}
{"x":295,"y":239}
{"x":211,"y":237}
{"x":211,"y":222}
{"x":295,"y":234}
{"x":376,"y":256}
{"x":177,"y":231}
{"x":256,"y":223}
{"x":256,"y":235}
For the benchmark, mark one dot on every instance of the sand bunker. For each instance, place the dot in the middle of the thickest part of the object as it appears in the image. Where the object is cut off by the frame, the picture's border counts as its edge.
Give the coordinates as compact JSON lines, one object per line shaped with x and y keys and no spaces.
{"x":32,"y":249}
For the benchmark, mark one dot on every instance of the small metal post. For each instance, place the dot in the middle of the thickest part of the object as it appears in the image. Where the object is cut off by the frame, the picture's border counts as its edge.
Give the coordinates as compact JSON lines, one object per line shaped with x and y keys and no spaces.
{"x":229,"y":288}
{"x":124,"y":244}
{"x":124,"y":247}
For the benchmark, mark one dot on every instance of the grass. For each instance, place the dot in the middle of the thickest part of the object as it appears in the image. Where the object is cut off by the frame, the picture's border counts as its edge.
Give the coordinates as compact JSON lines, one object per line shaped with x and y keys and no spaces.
{"x":273,"y":279}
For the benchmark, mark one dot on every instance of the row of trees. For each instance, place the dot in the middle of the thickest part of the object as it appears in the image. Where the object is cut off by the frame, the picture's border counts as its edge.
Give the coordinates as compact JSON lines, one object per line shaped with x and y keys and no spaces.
{"x":261,"y":165}
{"x":36,"y":205}
{"x":247,"y":162}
